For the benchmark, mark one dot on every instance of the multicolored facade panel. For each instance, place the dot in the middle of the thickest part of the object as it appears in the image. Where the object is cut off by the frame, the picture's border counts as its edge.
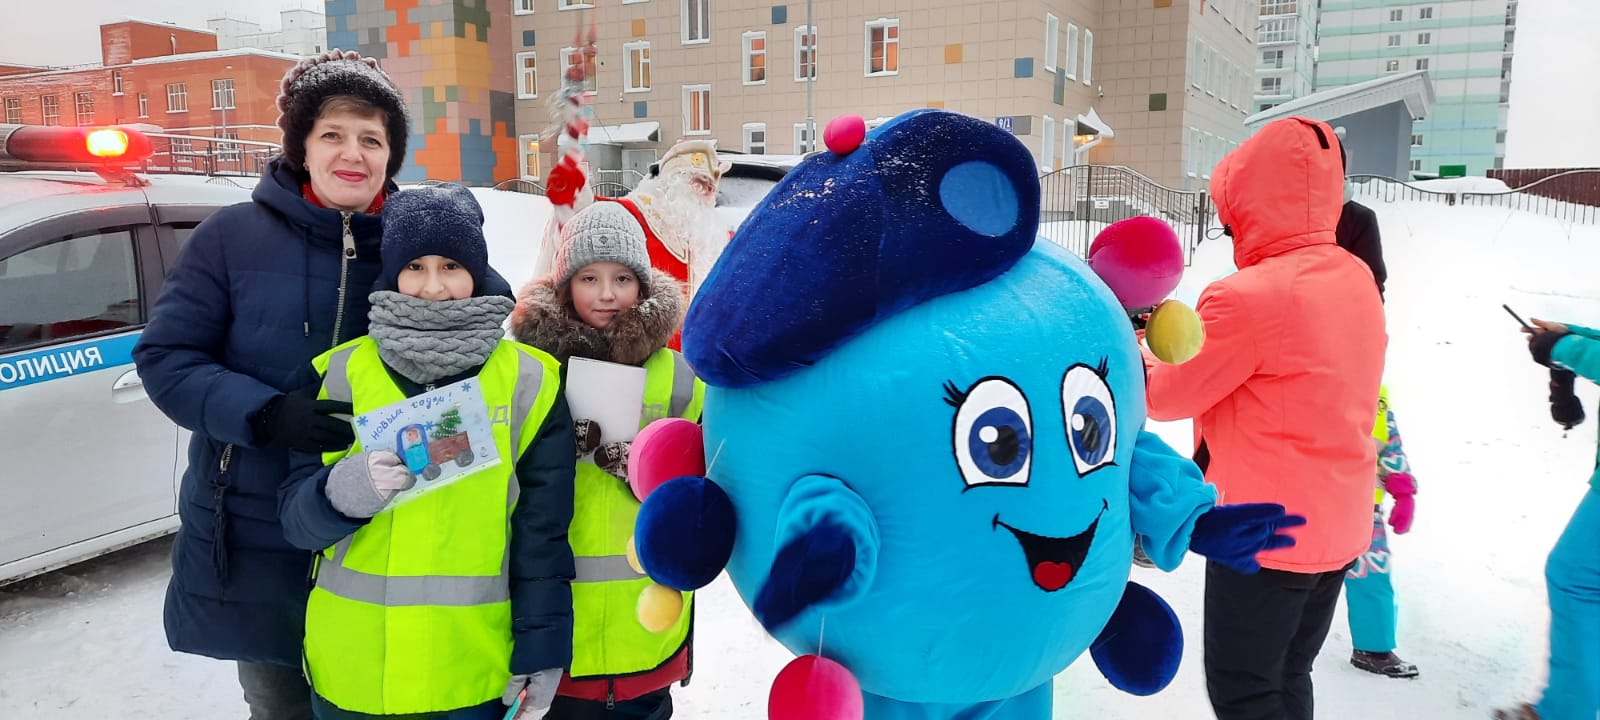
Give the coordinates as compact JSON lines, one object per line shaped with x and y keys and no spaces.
{"x":452,"y":59}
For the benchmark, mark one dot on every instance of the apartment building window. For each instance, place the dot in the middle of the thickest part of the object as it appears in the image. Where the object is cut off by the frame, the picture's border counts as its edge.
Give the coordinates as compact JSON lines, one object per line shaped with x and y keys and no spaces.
{"x":1392,"y":66}
{"x":1197,"y":60}
{"x":1276,"y":30}
{"x":1416,"y":166}
{"x":883,"y":47}
{"x":1394,"y":41}
{"x":1416,"y":141}
{"x":1072,"y":51}
{"x":591,"y":74}
{"x":803,"y":142}
{"x":805,"y":53}
{"x":522,"y":7}
{"x":1272,"y":59}
{"x":144,"y":105}
{"x":222,"y":94}
{"x":116,"y":82}
{"x":1279,"y":7}
{"x":696,"y":21}
{"x":52,"y":109}
{"x":1422,"y":63}
{"x":1047,"y":145}
{"x":1424,"y":38}
{"x":1213,"y":71}
{"x":755,"y":138}
{"x":569,"y":4}
{"x":14,"y":111}
{"x":1425,"y":13}
{"x":636,"y":71}
{"x":84,"y":105}
{"x":1088,"y":55}
{"x":527,"y":75}
{"x":177,"y":97}
{"x":530,"y":157}
{"x":1052,"y":40}
{"x":755,"y":58}
{"x":697,"y":109}
{"x":1271,"y":86}
{"x":228,"y":151}
{"x":1397,"y":15}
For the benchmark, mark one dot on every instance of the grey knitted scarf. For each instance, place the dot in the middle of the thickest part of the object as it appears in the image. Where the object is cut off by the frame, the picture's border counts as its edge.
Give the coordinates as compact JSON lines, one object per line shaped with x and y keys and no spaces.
{"x":425,"y":340}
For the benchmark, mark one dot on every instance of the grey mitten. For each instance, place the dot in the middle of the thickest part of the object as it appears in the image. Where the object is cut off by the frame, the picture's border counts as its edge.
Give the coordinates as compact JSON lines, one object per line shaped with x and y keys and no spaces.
{"x":541,"y":692}
{"x":362,"y":485}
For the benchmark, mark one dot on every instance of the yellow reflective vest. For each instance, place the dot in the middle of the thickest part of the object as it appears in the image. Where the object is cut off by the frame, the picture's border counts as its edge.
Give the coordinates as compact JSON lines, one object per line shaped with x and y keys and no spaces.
{"x":412,"y":613}
{"x":607,"y":638}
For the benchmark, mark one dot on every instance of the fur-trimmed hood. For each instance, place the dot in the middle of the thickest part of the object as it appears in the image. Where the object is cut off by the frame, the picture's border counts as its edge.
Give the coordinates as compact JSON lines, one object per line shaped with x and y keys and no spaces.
{"x":637,"y":333}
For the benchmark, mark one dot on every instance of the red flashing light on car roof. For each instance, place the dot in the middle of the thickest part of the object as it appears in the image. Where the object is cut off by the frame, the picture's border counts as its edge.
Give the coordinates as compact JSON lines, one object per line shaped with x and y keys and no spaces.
{"x":71,"y":146}
{"x":107,"y":143}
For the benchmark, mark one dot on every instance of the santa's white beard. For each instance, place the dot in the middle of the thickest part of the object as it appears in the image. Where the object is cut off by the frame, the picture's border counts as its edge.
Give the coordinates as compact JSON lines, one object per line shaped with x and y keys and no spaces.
{"x":685,"y":224}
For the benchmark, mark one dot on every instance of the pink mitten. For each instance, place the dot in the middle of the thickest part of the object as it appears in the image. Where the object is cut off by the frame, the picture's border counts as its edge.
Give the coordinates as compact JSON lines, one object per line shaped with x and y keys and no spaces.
{"x":1404,"y":489}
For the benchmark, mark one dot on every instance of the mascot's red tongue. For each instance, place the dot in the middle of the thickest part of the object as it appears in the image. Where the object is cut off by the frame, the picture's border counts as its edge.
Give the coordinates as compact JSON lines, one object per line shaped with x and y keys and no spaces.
{"x":1053,"y":576}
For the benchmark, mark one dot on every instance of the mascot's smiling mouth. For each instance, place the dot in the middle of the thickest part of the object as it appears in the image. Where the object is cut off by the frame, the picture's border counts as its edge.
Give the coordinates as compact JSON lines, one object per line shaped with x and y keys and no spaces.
{"x":1054,"y":562}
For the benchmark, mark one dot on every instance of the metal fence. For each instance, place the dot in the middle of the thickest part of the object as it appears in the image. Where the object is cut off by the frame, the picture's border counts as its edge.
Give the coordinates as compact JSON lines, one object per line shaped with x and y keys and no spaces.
{"x":205,"y":155}
{"x":1077,"y":202}
{"x":602,"y":189}
{"x":1535,"y":197}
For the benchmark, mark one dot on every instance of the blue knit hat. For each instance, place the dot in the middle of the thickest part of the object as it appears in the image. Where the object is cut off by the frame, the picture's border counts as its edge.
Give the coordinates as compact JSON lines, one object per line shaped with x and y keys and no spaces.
{"x":443,"y":220}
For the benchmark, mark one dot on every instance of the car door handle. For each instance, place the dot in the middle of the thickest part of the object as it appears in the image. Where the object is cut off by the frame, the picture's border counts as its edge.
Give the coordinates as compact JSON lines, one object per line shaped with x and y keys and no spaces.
{"x":128,"y":388}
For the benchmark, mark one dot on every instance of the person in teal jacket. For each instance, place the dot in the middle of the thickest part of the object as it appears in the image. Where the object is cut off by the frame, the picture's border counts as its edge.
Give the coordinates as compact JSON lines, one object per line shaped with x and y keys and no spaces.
{"x":1572,"y":573}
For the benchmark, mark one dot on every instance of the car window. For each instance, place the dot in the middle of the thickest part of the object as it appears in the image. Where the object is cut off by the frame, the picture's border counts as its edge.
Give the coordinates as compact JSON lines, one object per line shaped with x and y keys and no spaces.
{"x":70,"y":287}
{"x":183,"y":232}
{"x":744,"y":192}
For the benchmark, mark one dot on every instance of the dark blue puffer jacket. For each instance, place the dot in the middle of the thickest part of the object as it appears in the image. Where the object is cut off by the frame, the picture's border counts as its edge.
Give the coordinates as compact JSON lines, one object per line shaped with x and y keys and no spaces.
{"x":254,"y":296}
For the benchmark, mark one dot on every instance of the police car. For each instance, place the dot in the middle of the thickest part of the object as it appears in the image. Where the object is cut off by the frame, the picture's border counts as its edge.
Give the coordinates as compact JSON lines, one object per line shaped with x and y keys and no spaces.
{"x":89,"y":464}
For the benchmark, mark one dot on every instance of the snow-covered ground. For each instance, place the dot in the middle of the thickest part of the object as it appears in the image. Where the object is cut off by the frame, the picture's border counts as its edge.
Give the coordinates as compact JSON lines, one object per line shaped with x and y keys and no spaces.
{"x":1498,"y":483}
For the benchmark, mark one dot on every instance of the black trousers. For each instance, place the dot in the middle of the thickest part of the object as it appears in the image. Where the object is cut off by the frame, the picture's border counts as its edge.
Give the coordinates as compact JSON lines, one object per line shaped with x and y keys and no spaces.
{"x":654,"y":706}
{"x":1262,"y":634}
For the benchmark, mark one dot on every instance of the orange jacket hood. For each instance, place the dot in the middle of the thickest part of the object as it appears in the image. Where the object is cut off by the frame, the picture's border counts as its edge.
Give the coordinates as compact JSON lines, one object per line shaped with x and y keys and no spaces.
{"x":1281,"y":190}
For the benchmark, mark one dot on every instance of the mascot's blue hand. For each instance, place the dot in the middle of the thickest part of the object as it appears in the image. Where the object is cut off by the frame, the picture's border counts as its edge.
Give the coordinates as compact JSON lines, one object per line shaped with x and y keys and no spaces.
{"x":1234,"y":534}
{"x":1141,"y":645}
{"x":807,"y":570}
{"x":684,"y":532}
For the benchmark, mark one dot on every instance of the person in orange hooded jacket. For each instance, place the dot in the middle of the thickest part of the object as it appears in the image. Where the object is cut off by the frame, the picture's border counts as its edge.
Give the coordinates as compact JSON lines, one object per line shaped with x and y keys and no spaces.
{"x":1283,"y":393}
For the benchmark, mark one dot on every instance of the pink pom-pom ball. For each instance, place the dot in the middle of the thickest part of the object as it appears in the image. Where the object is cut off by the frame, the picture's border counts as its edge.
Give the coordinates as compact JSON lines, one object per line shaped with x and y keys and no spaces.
{"x":1140,"y":258}
{"x":663,"y":450}
{"x":844,"y":134}
{"x":812,"y":687}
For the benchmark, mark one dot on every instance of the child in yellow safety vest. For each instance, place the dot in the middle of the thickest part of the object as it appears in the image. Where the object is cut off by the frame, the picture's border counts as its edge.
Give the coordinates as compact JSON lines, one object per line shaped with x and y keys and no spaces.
{"x":456,"y":601}
{"x":603,"y":301}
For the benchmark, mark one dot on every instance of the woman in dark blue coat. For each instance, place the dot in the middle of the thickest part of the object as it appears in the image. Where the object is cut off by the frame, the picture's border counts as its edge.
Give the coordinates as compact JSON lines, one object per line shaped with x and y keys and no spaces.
{"x":260,"y":289}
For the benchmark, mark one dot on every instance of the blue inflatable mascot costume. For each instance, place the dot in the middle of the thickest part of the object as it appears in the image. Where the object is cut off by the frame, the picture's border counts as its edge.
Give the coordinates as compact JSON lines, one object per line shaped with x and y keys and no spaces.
{"x":927,"y":441}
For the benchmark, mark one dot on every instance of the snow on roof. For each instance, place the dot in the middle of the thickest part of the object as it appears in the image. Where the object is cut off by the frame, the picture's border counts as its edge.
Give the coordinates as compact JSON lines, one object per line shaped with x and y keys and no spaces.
{"x":236,"y":52}
{"x":1414,"y":88}
{"x":158,"y":23}
{"x":626,"y":133}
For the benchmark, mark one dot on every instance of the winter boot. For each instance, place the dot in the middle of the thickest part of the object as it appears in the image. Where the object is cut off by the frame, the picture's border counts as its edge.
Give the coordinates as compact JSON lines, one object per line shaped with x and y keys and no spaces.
{"x":1139,"y":558}
{"x":1520,"y":712}
{"x":1387,"y":664}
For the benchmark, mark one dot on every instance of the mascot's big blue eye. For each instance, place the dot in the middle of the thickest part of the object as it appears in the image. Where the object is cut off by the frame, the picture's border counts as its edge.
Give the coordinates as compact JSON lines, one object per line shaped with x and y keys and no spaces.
{"x":993,"y":438}
{"x":1091,"y":416}
{"x":999,"y":442}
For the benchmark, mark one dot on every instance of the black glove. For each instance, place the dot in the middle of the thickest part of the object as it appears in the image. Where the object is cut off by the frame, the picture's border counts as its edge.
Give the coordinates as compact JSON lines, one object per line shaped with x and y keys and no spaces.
{"x":1565,"y":408}
{"x":1542,"y":343}
{"x":297,"y":422}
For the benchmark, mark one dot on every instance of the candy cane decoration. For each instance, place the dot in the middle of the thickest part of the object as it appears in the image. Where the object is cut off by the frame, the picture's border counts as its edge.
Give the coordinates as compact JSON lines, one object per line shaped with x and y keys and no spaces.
{"x":570,"y":124}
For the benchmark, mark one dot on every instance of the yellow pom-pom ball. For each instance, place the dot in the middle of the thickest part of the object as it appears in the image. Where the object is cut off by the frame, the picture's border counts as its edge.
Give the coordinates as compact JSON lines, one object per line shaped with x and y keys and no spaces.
{"x":659,"y":607}
{"x":1174,"y":332}
{"x":633,"y":558}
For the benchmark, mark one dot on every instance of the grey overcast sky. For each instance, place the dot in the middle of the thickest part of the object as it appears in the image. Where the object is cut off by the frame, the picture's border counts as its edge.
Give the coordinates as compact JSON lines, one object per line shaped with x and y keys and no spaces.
{"x":1555,"y":97}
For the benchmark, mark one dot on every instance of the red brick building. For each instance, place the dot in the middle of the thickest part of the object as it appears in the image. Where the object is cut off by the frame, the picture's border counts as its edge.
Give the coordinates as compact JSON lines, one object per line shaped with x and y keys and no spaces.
{"x":167,"y":76}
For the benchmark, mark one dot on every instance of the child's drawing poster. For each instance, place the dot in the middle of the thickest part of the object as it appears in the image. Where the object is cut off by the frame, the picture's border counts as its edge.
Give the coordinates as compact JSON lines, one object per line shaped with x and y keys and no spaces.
{"x":441,"y":436}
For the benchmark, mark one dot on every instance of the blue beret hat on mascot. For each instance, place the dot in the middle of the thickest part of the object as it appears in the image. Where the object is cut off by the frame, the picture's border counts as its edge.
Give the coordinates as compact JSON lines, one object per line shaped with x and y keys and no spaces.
{"x":926,"y":434}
